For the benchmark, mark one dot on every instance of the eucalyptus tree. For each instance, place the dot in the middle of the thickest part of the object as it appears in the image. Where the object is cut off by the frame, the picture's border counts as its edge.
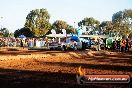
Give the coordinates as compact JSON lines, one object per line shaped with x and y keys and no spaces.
{"x":58,"y":25}
{"x":4,"y":32}
{"x":91,"y":24}
{"x":122,"y":21}
{"x":23,"y":31}
{"x":38,"y":22}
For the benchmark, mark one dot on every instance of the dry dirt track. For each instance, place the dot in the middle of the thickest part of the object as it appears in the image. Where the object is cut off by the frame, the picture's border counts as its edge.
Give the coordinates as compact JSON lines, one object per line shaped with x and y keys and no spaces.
{"x":56,"y":69}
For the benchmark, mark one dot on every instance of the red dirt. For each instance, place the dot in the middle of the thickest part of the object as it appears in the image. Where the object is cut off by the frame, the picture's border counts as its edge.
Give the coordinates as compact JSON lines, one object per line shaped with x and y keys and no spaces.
{"x":56,"y":69}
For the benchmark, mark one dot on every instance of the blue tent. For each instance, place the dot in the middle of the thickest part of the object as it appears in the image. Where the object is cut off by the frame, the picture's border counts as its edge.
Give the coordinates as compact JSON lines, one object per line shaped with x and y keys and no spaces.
{"x":22,"y":36}
{"x":75,"y":38}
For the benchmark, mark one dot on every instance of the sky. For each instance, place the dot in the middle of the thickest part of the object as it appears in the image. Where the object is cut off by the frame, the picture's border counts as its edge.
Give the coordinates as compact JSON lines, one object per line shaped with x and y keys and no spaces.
{"x":13,"y":12}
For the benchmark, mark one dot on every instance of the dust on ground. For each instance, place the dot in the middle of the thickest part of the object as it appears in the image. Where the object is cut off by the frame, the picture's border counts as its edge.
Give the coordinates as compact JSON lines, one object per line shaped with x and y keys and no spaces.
{"x":23,"y":68}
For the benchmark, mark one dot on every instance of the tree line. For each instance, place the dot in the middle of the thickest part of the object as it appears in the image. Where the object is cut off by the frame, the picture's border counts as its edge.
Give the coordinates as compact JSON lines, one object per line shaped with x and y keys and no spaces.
{"x":121,"y":24}
{"x":37,"y":24}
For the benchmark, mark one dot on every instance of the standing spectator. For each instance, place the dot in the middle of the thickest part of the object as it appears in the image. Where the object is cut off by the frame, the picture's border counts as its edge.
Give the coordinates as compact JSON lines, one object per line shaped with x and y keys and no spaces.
{"x":118,"y":45}
{"x":123,"y":45}
{"x":98,"y":44}
{"x":21,"y":43}
{"x":127,"y":45}
{"x":113,"y":45}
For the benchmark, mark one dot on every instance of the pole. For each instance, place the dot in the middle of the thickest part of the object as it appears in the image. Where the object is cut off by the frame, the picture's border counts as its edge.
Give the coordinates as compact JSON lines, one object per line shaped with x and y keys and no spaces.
{"x":74,"y":28}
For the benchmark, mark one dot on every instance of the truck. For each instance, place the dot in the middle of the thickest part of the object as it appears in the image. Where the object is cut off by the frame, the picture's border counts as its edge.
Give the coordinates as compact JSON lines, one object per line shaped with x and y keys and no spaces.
{"x":66,"y":43}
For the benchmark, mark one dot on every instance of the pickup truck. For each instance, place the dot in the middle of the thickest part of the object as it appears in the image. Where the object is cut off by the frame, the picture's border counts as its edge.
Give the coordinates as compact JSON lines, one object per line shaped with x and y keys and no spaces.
{"x":67,"y":43}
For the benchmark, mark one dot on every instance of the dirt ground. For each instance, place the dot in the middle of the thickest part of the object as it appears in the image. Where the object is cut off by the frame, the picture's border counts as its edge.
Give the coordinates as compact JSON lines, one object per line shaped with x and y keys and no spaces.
{"x":23,"y":68}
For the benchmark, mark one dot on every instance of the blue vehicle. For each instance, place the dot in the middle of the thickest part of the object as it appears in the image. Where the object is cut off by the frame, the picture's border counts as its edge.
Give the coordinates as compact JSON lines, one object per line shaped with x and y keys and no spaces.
{"x":86,"y":42}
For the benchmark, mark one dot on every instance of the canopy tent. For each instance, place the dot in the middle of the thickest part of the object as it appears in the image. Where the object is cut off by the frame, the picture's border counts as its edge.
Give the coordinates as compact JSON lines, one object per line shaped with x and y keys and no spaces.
{"x":22,"y":36}
{"x":75,"y":38}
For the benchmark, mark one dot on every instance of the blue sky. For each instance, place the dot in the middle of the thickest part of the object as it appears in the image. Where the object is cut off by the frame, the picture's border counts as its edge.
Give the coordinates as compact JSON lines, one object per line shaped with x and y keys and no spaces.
{"x":14,"y":12}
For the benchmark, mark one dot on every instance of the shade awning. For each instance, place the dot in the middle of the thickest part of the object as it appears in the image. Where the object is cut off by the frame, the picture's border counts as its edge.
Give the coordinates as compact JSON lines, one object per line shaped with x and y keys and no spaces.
{"x":22,"y":36}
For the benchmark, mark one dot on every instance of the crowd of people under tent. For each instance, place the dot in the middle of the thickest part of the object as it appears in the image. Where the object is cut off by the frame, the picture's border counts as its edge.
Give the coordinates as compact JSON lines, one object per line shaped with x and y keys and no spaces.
{"x":22,"y":42}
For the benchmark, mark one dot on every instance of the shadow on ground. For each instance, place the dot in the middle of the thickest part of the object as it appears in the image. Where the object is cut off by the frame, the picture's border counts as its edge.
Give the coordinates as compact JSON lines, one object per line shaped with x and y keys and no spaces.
{"x":103,"y":56}
{"x":90,"y":66}
{"x":10,"y":78}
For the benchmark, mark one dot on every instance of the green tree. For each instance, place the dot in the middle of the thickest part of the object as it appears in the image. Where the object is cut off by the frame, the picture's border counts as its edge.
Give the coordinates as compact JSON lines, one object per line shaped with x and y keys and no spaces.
{"x":130,"y":35}
{"x":23,"y":31}
{"x":38,"y":22}
{"x":58,"y":25}
{"x":106,"y":27}
{"x":17,"y":33}
{"x":11,"y":34}
{"x":4,"y":32}
{"x":70,"y":29}
{"x":89,"y":22}
{"x":122,"y":22}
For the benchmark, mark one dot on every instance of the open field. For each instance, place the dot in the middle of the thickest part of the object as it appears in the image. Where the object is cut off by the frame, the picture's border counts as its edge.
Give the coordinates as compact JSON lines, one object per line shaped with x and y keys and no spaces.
{"x":22,"y":68}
